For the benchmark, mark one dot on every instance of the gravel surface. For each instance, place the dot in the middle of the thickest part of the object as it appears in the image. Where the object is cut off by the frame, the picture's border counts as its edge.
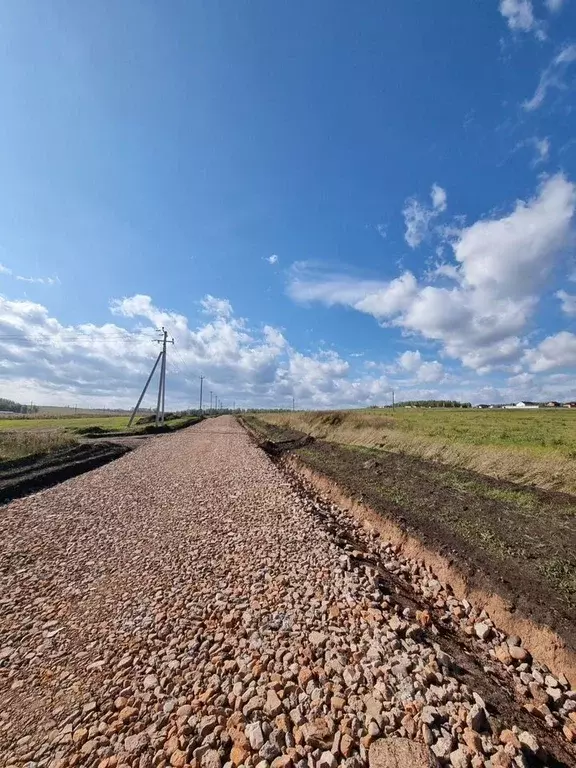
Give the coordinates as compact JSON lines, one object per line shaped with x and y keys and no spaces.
{"x":186,"y":605}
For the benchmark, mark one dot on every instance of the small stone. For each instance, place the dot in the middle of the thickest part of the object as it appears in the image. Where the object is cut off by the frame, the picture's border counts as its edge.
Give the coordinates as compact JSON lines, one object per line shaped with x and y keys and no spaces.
{"x":482,"y":630}
{"x":501,"y":760}
{"x":150,"y":682}
{"x":207,"y":725}
{"x":254,"y":704}
{"x":509,"y":737}
{"x":399,"y":753}
{"x":346,"y":745}
{"x":273,"y":705}
{"x":88,"y":747}
{"x":518,"y":653}
{"x":476,"y":718}
{"x":472,"y":740}
{"x":443,"y":747}
{"x":503,"y":654}
{"x":327,"y":760}
{"x":317,"y":638}
{"x":528,"y":742}
{"x":304,"y":676}
{"x":211,"y":759}
{"x":459,"y":759}
{"x":178,"y":758}
{"x":239,"y":754}
{"x":184,"y":711}
{"x":127,"y":713}
{"x":255,"y":736}
{"x":318,"y":733}
{"x":136,"y":743}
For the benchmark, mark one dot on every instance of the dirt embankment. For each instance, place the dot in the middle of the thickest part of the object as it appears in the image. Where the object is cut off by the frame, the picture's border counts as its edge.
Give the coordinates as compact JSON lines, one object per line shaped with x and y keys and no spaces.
{"x":510,"y":548}
{"x":20,"y":477}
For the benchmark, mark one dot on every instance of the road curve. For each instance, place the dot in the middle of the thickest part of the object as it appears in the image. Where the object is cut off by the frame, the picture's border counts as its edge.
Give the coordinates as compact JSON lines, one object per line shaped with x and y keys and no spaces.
{"x":186,"y":605}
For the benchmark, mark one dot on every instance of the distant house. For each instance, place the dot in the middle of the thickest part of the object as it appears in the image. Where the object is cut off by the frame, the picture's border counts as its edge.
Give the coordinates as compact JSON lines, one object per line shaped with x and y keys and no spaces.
{"x":483,"y":405}
{"x":552,"y":404}
{"x":523,"y":404}
{"x":569,"y":405}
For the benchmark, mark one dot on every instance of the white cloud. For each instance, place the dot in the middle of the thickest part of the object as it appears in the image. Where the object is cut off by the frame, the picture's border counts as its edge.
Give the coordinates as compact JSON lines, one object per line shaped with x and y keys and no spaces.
{"x":4,"y":270}
{"x":519,"y":15}
{"x":552,"y":77}
{"x":568,"y":302}
{"x":500,"y":267}
{"x":554,"y":6}
{"x":273,"y":259}
{"x":217,"y":307}
{"x":439,"y":197}
{"x":558,"y":351}
{"x":424,"y":371}
{"x":418,"y":217}
{"x":541,"y":149}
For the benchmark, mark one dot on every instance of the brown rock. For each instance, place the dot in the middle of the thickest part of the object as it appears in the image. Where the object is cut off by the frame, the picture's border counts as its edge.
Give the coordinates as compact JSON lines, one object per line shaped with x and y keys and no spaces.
{"x":509,"y":737}
{"x":518,"y":653}
{"x":273,"y":705}
{"x":318,"y":733}
{"x":346,"y":745}
{"x":239,"y":754}
{"x":284,"y":761}
{"x":304,"y":676}
{"x":472,"y":740}
{"x":127,"y":713}
{"x":178,"y":758}
{"x":569,"y":733}
{"x":501,"y":760}
{"x":503,"y":655}
{"x":400,"y":753}
{"x":538,"y":694}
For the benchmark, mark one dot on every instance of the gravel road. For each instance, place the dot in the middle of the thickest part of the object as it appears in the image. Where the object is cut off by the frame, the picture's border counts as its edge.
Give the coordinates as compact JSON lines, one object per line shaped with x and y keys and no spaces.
{"x":188,"y":605}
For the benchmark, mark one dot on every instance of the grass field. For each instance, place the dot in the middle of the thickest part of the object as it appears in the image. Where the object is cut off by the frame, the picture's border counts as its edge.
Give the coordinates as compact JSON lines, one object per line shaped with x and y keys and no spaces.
{"x":31,"y":436}
{"x":531,"y":447}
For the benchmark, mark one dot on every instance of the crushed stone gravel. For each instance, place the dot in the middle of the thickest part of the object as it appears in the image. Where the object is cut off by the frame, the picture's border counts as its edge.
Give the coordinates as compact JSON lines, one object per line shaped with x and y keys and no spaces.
{"x":186,"y":605}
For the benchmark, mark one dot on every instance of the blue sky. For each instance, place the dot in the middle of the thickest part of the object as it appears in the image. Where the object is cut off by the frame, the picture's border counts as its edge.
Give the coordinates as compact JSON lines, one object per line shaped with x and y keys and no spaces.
{"x":317,"y":200}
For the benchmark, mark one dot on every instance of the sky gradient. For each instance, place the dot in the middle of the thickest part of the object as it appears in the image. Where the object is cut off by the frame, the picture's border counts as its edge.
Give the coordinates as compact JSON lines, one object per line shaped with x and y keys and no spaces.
{"x":317,"y":200}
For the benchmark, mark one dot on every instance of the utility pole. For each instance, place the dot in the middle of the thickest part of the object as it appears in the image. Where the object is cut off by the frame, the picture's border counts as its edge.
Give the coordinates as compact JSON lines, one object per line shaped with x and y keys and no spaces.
{"x":148,"y":380}
{"x":392,"y":399}
{"x":292,"y":404}
{"x":210,"y":401}
{"x":201,"y":381}
{"x":162,"y":385}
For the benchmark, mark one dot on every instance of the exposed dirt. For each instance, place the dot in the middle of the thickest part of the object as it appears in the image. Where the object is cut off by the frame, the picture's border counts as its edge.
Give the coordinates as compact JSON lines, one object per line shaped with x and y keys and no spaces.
{"x":20,"y":477}
{"x":520,"y":544}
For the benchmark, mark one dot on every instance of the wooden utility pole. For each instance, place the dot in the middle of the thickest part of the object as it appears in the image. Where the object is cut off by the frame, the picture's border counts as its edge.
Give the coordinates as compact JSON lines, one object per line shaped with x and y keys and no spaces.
{"x":201,"y":381}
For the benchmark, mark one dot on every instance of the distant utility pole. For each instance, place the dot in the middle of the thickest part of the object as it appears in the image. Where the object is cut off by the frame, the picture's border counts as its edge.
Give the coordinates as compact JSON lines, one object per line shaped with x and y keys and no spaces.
{"x":292,"y":404}
{"x":210,"y":401}
{"x":392,"y":399}
{"x":201,"y":381}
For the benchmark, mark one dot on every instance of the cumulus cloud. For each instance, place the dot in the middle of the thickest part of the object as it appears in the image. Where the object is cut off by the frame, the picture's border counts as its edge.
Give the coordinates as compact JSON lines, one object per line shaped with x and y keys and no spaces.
{"x":558,"y":351}
{"x":553,"y":76}
{"x":418,"y":217}
{"x":519,"y":15}
{"x":424,"y":371}
{"x":44,"y":360}
{"x":273,"y":259}
{"x":554,"y":5}
{"x":500,"y":267}
{"x":568,"y":301}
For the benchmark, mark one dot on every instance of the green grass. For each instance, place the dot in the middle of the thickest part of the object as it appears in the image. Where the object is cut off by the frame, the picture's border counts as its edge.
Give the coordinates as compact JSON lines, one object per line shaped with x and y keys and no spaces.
{"x":17,"y":445}
{"x":538,"y":430}
{"x":106,"y":422}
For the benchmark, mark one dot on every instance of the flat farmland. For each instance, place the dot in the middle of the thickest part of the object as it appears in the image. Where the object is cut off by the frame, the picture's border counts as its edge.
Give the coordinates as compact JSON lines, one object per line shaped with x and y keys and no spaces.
{"x":534,"y":447}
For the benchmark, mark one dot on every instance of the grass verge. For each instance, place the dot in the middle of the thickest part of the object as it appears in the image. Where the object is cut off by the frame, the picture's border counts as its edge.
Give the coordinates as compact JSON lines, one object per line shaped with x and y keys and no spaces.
{"x":536,"y":448}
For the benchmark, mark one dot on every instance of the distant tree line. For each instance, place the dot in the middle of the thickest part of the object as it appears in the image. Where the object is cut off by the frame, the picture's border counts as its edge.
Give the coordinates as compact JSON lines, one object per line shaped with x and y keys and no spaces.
{"x":435,"y":404}
{"x":10,"y":405}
